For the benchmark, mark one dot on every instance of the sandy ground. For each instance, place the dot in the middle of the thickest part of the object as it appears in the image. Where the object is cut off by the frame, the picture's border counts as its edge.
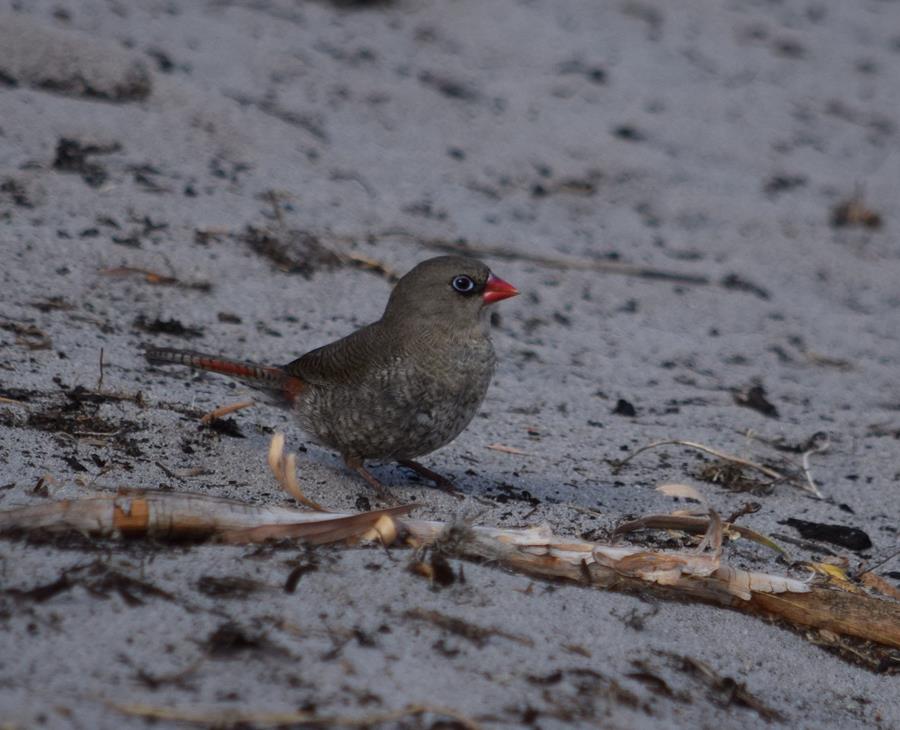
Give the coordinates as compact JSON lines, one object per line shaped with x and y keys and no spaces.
{"x":228,"y":144}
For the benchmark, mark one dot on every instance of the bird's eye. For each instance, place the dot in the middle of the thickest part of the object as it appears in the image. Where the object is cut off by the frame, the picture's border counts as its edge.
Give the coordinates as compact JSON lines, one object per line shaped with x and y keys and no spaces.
{"x":463,"y":284}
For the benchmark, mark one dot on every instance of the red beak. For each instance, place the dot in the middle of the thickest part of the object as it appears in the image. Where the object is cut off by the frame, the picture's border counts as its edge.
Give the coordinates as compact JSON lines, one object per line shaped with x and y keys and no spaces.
{"x":497,"y":289}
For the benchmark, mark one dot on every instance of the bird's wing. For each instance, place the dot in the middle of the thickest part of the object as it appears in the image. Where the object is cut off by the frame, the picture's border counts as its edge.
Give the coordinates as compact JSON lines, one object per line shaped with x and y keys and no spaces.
{"x":343,"y":361}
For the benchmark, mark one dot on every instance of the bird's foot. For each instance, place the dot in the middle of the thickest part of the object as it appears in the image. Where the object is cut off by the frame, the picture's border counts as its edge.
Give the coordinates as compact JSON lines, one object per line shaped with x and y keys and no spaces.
{"x":384,"y":494}
{"x":440,"y":481}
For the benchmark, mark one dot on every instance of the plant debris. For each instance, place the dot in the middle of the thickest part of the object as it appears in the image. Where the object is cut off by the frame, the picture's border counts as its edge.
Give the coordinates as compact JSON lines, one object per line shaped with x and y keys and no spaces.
{"x":167,"y":327}
{"x":735,"y":282}
{"x":231,"y":639}
{"x":851,"y":538}
{"x":152,"y":277}
{"x":226,"y":427}
{"x":725,"y":691}
{"x":624,"y":408}
{"x":72,"y":156}
{"x":701,"y":575}
{"x":229,"y":586}
{"x":854,"y":212}
{"x":292,"y":251}
{"x":98,"y":579}
{"x":755,"y":397}
{"x":478,"y":635}
{"x":28,"y":335}
{"x":733,"y":477}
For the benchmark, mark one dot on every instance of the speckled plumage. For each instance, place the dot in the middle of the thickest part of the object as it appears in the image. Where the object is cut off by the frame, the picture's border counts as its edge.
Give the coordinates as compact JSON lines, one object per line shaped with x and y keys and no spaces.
{"x":400,"y":387}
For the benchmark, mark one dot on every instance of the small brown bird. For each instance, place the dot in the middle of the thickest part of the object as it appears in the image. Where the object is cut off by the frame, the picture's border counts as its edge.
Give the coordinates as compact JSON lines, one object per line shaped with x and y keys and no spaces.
{"x":395,"y":389}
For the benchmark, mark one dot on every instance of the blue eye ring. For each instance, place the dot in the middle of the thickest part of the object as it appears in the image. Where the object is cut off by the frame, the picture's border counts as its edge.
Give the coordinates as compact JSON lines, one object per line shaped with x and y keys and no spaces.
{"x":463,"y":284}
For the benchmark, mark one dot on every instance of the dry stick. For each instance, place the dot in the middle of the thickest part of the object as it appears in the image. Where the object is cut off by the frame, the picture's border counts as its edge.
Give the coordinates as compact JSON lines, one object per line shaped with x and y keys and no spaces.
{"x":853,"y":614}
{"x":771,"y":473}
{"x":12,"y":402}
{"x":612,"y":267}
{"x":535,"y":552}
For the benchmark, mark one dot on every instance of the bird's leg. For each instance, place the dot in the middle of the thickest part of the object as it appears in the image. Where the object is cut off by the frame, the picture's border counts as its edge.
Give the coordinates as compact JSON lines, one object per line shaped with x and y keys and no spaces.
{"x":382,"y":491}
{"x":441,"y":482}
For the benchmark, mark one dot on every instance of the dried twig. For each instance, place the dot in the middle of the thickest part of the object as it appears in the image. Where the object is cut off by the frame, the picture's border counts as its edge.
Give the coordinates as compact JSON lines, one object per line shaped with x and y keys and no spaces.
{"x":225,"y":410}
{"x":152,"y":277}
{"x":536,"y":552}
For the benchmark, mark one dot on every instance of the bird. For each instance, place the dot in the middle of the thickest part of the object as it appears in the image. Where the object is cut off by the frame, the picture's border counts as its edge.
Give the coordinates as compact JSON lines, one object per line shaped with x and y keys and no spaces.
{"x":398,"y":388}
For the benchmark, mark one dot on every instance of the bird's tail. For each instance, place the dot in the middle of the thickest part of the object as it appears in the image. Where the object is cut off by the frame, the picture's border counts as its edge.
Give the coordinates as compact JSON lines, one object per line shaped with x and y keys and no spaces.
{"x":261,"y":377}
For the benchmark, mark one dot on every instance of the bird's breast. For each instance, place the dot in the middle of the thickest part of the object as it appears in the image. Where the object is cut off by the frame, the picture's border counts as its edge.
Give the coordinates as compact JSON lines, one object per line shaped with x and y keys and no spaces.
{"x":410,"y":404}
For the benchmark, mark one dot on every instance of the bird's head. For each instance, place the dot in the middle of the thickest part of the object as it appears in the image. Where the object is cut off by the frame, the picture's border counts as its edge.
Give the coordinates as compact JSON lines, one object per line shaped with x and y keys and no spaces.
{"x":448,"y":290}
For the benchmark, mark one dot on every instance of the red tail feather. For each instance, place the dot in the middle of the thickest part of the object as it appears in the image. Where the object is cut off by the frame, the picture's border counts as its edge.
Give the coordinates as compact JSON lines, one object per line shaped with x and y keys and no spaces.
{"x":258,"y":376}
